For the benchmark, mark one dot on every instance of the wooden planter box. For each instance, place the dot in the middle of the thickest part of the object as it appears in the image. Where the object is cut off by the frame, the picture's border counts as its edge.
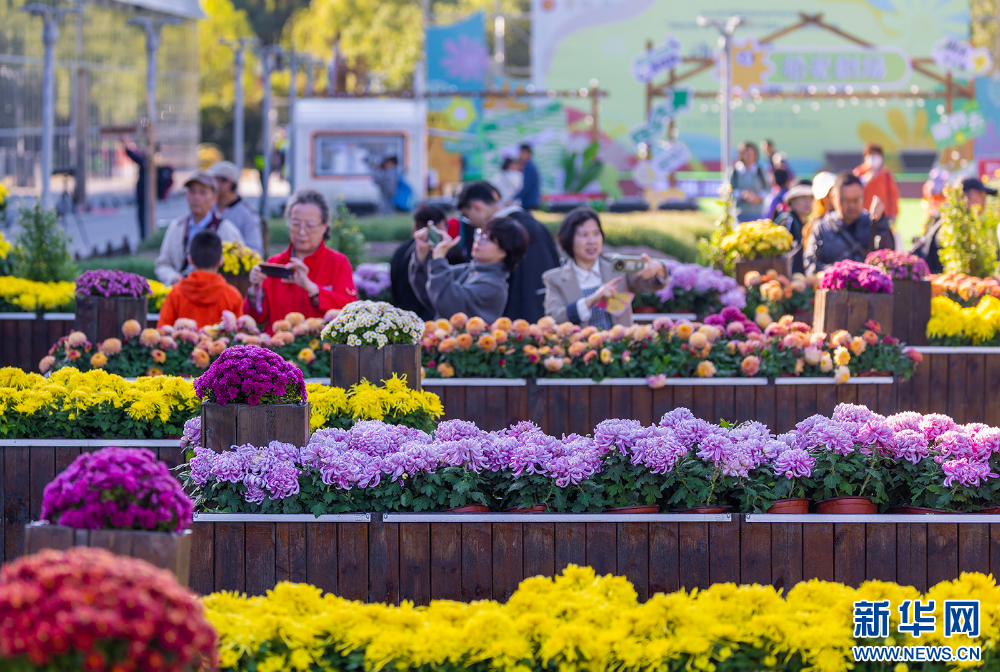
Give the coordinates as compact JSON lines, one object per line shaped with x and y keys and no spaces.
{"x":349,"y":364}
{"x":240,"y":282}
{"x":226,"y":425}
{"x":102,"y":317}
{"x":783,"y":265}
{"x":850,"y":310}
{"x":162,"y":549}
{"x":911,"y":310}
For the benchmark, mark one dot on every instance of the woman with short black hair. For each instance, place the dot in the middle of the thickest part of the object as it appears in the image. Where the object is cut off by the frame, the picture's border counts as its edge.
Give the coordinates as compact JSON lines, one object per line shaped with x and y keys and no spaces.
{"x":477,"y":288}
{"x":578,"y":291}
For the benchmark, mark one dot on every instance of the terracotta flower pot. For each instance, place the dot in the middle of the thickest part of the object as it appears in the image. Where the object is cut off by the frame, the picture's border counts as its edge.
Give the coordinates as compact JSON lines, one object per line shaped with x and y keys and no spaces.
{"x":537,"y":508}
{"x":873,"y":374}
{"x":469,"y":508}
{"x":909,"y":509}
{"x":846,"y":505}
{"x":633,"y":509}
{"x":990,"y":510}
{"x":706,"y":509}
{"x":796,"y":505}
{"x":645,"y":310}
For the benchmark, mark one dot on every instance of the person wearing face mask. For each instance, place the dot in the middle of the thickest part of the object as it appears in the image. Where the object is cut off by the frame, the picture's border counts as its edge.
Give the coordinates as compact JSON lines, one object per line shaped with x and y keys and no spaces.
{"x":848,"y":231}
{"x":799,"y":200}
{"x":878,"y":181}
{"x":476,"y":288}
{"x":578,"y":291}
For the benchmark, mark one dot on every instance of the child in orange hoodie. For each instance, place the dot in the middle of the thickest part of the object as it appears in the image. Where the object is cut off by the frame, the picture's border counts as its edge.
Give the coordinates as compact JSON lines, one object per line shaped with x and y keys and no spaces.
{"x":203,"y":294}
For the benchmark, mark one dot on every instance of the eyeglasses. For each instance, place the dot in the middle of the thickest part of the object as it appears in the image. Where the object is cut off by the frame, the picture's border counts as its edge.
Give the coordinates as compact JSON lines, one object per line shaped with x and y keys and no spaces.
{"x":480,"y":236}
{"x":308,"y":227}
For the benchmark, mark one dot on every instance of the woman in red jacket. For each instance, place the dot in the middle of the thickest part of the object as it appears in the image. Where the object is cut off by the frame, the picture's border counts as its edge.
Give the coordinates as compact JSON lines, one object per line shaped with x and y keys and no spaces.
{"x":322,"y":278}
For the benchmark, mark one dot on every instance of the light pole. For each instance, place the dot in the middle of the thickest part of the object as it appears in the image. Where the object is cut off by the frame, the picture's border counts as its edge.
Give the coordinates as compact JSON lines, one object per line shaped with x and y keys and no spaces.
{"x":268,"y":63}
{"x":293,"y":93}
{"x":51,"y":16}
{"x":151,"y":26}
{"x":726,"y":30}
{"x":239,"y":61}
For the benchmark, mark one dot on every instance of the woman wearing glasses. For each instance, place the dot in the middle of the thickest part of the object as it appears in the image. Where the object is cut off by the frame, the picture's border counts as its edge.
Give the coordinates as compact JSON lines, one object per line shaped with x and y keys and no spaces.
{"x":476,"y":288}
{"x":321,"y":278}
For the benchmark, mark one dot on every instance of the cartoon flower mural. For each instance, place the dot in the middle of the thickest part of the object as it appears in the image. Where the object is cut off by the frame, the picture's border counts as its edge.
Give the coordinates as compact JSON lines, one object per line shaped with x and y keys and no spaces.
{"x":899,"y":135}
{"x":465,"y":59}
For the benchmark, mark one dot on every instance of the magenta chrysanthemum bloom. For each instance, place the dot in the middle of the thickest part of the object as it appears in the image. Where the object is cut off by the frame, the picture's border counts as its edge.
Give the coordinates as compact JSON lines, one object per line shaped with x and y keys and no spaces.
{"x":672,"y":418}
{"x":898,"y":265}
{"x":934,"y":425}
{"x":621,"y":434}
{"x":282,"y":480}
{"x":965,"y":472}
{"x":200,"y":466}
{"x":104,"y":282}
{"x":456,"y":430}
{"x":659,"y":452}
{"x":852,"y":413}
{"x":248,"y":374}
{"x":117,"y":488}
{"x":985,"y":442}
{"x":793,"y":463}
{"x":955,"y":444}
{"x":191,"y":436}
{"x":853,"y":276}
{"x":876,"y":432}
{"x":911,"y":445}
{"x":714,"y":448}
{"x":905,"y":420}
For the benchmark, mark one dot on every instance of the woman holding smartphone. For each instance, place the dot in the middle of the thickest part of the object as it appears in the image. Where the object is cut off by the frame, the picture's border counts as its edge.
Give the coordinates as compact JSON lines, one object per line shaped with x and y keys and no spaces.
{"x":578,"y":291}
{"x":308,"y":277}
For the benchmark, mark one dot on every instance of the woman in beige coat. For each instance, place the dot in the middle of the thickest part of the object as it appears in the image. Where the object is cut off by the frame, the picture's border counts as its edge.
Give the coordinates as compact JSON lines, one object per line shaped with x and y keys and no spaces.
{"x":577,"y":292}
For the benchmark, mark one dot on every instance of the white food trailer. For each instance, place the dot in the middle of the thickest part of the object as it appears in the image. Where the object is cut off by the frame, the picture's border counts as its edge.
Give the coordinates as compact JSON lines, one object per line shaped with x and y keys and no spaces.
{"x":338,"y":143}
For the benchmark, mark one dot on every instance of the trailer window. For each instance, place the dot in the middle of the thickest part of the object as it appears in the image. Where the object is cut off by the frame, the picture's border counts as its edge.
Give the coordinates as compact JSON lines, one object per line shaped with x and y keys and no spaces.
{"x":337,"y":155}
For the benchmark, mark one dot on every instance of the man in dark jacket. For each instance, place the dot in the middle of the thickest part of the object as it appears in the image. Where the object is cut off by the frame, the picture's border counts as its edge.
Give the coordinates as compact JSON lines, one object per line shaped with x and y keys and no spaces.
{"x":530,"y":195}
{"x":479,"y":202}
{"x":849,"y":231}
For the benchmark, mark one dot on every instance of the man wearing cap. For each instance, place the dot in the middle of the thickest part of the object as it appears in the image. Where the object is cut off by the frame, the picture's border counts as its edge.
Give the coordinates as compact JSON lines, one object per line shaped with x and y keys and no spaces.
{"x":927,"y":246}
{"x":849,"y":231}
{"x":201,"y":190}
{"x":233,"y":208}
{"x":799,"y":200}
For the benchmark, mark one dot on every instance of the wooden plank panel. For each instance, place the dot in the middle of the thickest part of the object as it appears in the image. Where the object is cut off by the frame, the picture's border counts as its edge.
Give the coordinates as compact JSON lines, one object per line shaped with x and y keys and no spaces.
{"x":290,"y":552}
{"x":826,"y":399}
{"x":725,"y":402}
{"x":230,"y":549}
{"x":415,"y":562}
{"x":868,"y":396}
{"x":321,"y":554}
{"x":664,"y":560}
{"x":446,"y":561}
{"x":621,"y":402}
{"x":957,"y":404}
{"x":755,"y":552}
{"x":352,"y":560}
{"x":684,"y":398}
{"x":202,"y":579}
{"x":663,"y":402}
{"x":888,"y":401}
{"x":921,"y":399}
{"x":42,"y":466}
{"x":642,"y":405}
{"x":65,"y":456}
{"x":704,"y":403}
{"x":745,"y":405}
{"x":633,"y":556}
{"x":383,"y":561}
{"x":539,"y":549}
{"x":600,"y":405}
{"x":517,"y":405}
{"x":218,"y":423}
{"x":16,"y":499}
{"x":936,"y":402}
{"x":817,"y":550}
{"x":995,"y":549}
{"x":991,"y":396}
{"x":571,"y":545}
{"x":975,"y":383}
{"x":508,"y":560}
{"x":538,"y":405}
{"x":805,"y":401}
{"x":786,"y":554}
{"x":477,"y":562}
{"x":784,"y":409}
{"x":974,"y":548}
{"x":880,"y":551}
{"x":724,"y":551}
{"x":260,"y":558}
{"x":496,"y":409}
{"x":942,"y":552}
{"x":602,"y":540}
{"x":847,"y":394}
{"x":766,"y":410}
{"x":578,"y":410}
{"x":849,"y":553}
{"x":911,"y":555}
{"x":475,"y":405}
{"x":558,"y":410}
{"x":693,"y":565}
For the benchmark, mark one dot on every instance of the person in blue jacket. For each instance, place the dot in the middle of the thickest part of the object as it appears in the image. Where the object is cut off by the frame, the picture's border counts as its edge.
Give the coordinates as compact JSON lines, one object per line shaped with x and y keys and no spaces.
{"x":530,"y":195}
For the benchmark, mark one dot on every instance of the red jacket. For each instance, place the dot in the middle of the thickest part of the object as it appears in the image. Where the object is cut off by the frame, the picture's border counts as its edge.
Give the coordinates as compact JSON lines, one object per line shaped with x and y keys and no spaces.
{"x":201,"y":296}
{"x":882,"y":185}
{"x":329,"y":269}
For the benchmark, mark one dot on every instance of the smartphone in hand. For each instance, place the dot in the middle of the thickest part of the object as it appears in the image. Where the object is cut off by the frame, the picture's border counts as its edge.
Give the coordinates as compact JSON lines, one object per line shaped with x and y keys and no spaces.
{"x":276,"y":270}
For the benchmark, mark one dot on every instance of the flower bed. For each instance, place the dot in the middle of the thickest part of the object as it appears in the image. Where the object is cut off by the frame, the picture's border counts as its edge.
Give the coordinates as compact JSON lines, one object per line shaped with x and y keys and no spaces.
{"x":108,"y":283}
{"x":238,"y":259}
{"x":776,"y":296}
{"x":373,"y":323}
{"x":18,"y":295}
{"x":580,"y":621}
{"x":692,"y":288}
{"x":755,"y":240}
{"x":952,"y":325}
{"x":964,"y":289}
{"x":852,"y":276}
{"x":71,"y":404}
{"x":898,"y":265}
{"x":726,"y":344}
{"x":372,"y":282}
{"x":681,"y":463}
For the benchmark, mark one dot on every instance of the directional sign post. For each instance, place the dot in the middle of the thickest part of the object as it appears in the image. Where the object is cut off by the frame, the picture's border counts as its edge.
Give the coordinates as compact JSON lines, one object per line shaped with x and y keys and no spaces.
{"x":676,"y":102}
{"x":647,"y":65}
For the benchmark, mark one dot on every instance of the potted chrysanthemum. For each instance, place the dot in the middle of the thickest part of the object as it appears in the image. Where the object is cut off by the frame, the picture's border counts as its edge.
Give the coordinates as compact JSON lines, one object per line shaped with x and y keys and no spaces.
{"x":252,"y":395}
{"x":849,"y":295}
{"x":911,"y":293}
{"x":371,"y":341}
{"x":122,"y":499}
{"x":105,"y":299}
{"x":87,"y":609}
{"x":758,"y":246}
{"x":237,"y":260}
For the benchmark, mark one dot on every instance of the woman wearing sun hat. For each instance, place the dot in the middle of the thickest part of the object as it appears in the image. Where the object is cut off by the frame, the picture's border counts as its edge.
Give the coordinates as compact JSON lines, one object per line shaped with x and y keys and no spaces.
{"x":799,"y":200}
